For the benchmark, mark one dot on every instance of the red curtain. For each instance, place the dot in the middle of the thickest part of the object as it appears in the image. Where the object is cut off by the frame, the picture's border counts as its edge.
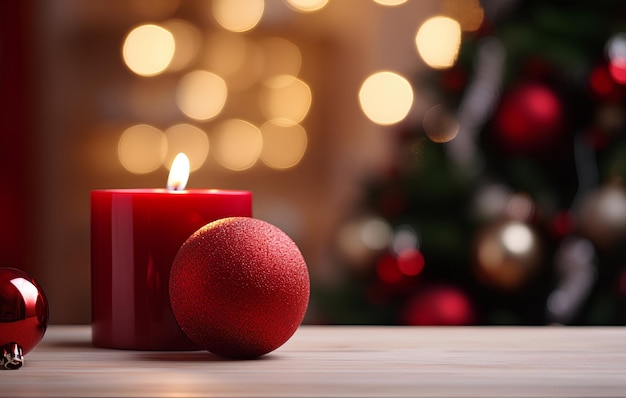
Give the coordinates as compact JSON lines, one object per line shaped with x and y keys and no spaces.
{"x":16,"y":120}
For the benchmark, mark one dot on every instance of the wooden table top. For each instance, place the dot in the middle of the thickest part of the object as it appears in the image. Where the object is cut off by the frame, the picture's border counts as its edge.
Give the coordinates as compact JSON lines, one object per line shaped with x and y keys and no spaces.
{"x":341,"y":361}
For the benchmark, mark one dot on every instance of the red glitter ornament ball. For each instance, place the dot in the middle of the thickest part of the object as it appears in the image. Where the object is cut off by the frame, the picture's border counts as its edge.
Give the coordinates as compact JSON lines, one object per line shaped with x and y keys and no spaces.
{"x":23,"y":309}
{"x":239,"y":287}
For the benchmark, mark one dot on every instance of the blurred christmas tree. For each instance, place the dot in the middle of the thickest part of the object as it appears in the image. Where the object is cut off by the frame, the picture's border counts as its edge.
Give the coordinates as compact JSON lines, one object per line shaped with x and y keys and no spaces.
{"x":508,"y":206}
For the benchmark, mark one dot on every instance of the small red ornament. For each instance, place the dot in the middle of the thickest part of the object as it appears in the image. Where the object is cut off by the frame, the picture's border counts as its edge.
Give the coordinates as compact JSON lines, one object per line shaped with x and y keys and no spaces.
{"x":530,"y":119}
{"x":239,"y":287}
{"x":439,"y":305}
{"x":23,"y":315}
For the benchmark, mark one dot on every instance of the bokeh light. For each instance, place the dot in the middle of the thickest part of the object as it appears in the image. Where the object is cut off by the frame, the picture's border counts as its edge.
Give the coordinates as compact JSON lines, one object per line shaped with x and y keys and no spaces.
{"x":390,"y":3}
{"x":238,"y":15}
{"x":490,"y":202}
{"x":282,"y":57}
{"x":438,"y":41}
{"x":307,"y":5}
{"x":404,"y":238}
{"x":616,"y":46}
{"x":187,"y":39}
{"x":386,"y":97}
{"x":236,"y":58}
{"x":141,"y":149}
{"x":188,"y":139}
{"x":362,"y":238}
{"x":517,"y":238}
{"x":616,"y":53}
{"x":283,"y":146}
{"x":236,"y":144}
{"x":375,"y":233}
{"x":285,"y":100}
{"x":440,"y":125}
{"x":148,"y":49}
{"x":617,"y":69}
{"x":201,"y":95}
{"x":410,"y":262}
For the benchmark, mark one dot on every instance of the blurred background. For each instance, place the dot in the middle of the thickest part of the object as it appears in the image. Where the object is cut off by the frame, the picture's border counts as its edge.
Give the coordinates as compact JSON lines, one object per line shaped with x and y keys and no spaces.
{"x":445,"y":162}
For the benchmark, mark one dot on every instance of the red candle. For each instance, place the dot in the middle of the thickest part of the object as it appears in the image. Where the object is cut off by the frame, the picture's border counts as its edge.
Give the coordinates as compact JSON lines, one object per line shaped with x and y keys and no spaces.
{"x":135,"y":235}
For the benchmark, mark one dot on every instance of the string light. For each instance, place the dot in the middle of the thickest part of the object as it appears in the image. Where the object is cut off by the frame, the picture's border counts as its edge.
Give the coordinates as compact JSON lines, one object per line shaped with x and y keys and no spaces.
{"x":148,"y":49}
{"x":201,"y":95}
{"x":386,"y":97}
{"x":237,"y":144}
{"x":283,"y":146}
{"x":238,"y":15}
{"x":141,"y":148}
{"x":438,"y":41}
{"x":307,"y":5}
{"x":285,"y":99}
{"x":189,"y":140}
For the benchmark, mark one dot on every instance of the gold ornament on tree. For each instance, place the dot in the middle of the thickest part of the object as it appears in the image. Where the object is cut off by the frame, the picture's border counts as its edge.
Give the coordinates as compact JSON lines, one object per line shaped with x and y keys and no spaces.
{"x":506,"y":254}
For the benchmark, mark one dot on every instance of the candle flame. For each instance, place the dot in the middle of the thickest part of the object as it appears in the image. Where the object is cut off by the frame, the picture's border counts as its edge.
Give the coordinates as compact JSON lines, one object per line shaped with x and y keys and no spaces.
{"x":179,"y":173}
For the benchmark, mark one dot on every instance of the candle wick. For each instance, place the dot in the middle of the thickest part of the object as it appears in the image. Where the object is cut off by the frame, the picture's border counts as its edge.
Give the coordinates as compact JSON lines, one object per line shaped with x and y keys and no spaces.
{"x":176,"y":187}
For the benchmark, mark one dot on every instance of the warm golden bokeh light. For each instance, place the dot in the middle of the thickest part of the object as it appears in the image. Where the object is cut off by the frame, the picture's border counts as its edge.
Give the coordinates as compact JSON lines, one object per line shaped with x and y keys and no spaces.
{"x":236,"y":58}
{"x":141,"y":149}
{"x":148,"y":50}
{"x":188,"y":139}
{"x":236,"y":144}
{"x":285,"y":99}
{"x":187,"y":39}
{"x":238,"y":15}
{"x":438,"y":41}
{"x":307,"y":5}
{"x":468,"y":13}
{"x":281,"y":56}
{"x":440,"y":125}
{"x":390,"y":2}
{"x":201,"y":95}
{"x":283,"y":146}
{"x":386,"y":97}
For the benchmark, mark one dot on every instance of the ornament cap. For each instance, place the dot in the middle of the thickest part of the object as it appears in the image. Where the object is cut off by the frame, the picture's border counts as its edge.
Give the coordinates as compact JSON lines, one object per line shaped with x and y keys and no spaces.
{"x":12,"y":356}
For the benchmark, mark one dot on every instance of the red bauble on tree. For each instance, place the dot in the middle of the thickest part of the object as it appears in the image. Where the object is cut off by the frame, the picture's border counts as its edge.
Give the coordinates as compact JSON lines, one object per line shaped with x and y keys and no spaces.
{"x":438,"y":305}
{"x":23,"y":316}
{"x":529,"y":119}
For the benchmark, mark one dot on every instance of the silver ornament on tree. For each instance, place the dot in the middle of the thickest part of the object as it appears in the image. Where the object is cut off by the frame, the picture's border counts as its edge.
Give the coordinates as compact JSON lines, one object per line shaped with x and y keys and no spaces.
{"x":602,"y":216}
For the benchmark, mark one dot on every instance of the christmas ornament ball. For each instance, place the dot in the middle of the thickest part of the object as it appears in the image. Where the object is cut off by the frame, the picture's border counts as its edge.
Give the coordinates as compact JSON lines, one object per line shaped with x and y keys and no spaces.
{"x":530,"y":118}
{"x":602,"y":216}
{"x":506,"y":254}
{"x":438,"y":305}
{"x":239,"y":287}
{"x":23,"y":309}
